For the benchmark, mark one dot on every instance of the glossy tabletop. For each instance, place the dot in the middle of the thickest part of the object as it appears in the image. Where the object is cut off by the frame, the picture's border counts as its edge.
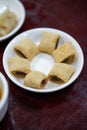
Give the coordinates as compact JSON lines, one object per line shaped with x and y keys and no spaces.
{"x":62,"y":110}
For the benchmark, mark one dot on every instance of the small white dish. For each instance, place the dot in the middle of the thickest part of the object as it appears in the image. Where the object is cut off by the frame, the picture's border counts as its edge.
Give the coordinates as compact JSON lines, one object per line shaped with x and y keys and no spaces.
{"x":43,"y":62}
{"x":4,"y":98}
{"x":17,"y":7}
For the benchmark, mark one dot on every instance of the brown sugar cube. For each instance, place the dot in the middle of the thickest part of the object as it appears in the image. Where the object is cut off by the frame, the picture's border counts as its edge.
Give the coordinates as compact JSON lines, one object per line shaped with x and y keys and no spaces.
{"x":64,"y":53}
{"x":61,"y":73}
{"x":48,"y":42}
{"x":35,"y":79}
{"x":26,"y":48}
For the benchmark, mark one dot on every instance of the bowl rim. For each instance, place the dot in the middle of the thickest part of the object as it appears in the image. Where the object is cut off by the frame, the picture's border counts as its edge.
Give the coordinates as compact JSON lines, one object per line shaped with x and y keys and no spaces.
{"x":5,"y":91}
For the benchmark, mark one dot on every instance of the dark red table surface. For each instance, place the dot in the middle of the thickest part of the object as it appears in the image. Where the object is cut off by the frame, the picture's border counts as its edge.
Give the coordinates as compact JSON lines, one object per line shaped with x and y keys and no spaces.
{"x":67,"y":108}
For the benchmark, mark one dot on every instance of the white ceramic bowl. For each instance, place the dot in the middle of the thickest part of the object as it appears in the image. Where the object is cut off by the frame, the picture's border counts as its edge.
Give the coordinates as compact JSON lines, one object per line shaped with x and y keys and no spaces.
{"x":17,"y":7}
{"x":43,"y":62}
{"x":4,"y":99}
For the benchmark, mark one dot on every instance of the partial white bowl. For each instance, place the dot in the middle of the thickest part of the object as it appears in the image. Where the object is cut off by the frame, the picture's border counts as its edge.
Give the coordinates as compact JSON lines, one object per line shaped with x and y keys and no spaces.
{"x":17,"y":7}
{"x":4,"y":99}
{"x":43,"y":62}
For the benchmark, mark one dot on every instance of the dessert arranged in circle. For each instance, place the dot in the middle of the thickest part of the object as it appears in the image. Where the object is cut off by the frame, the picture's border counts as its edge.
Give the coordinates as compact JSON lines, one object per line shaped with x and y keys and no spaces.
{"x":63,"y":55}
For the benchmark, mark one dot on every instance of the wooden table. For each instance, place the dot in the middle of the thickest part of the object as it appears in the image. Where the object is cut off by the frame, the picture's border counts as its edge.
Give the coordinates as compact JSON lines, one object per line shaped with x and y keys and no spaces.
{"x":62,"y":110}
